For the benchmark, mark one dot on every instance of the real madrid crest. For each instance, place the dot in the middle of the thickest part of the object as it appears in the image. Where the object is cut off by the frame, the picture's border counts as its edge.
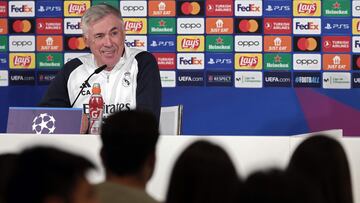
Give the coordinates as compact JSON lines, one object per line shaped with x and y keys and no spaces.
{"x":126,"y":79}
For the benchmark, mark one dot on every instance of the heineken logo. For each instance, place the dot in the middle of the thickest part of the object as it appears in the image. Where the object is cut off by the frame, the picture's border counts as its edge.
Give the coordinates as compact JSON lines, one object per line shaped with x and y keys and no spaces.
{"x":162,"y":26}
{"x":219,"y":43}
{"x":49,"y":60}
{"x":277,"y":61}
{"x":336,"y":8}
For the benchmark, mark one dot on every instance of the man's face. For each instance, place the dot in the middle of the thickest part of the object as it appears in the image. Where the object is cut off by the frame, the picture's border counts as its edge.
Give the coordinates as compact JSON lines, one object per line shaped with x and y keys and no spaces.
{"x":84,"y":192}
{"x":105,"y":38}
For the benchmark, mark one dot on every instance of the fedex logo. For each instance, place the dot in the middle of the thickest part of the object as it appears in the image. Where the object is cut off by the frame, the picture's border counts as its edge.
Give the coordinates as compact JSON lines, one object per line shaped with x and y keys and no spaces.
{"x":190,"y":61}
{"x":72,"y":26}
{"x":21,"y":9}
{"x":253,"y":8}
{"x":136,"y":41}
{"x":307,"y":25}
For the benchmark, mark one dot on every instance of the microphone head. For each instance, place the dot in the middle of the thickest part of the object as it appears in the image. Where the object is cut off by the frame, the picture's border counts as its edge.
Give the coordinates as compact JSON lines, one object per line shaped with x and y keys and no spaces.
{"x":101,"y":68}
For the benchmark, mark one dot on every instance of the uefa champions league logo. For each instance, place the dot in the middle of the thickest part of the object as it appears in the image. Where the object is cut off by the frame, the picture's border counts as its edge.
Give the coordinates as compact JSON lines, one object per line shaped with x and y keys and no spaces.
{"x":44,"y":124}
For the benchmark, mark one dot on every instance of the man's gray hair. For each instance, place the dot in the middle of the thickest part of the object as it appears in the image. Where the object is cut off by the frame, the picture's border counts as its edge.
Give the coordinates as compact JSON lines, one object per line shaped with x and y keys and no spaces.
{"x":96,"y":13}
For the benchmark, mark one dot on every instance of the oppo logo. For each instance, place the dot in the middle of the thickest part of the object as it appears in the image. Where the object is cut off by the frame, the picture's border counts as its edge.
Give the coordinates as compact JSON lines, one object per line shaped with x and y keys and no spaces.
{"x":248,"y":43}
{"x":190,"y":25}
{"x":306,"y":61}
{"x":21,"y":43}
{"x":357,"y":8}
{"x":133,"y":8}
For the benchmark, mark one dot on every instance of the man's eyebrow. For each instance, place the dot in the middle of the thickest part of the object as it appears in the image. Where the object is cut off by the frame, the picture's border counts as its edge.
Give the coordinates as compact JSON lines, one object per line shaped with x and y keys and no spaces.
{"x":112,"y":29}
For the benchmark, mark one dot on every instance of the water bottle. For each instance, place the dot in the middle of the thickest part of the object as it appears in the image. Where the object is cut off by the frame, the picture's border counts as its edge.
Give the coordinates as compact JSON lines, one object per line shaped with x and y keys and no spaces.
{"x":96,"y":106}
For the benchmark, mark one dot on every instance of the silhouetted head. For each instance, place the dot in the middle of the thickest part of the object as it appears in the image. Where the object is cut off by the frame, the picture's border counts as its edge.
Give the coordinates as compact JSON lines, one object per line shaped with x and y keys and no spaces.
{"x":323,"y":161}
{"x":203,"y":173}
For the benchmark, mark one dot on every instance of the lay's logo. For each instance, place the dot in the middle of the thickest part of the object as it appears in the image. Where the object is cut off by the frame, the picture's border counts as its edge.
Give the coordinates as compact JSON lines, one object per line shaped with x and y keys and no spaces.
{"x":75,"y":8}
{"x":190,"y":43}
{"x":307,"y":8}
{"x":248,"y":61}
{"x":22,"y":61}
{"x":135,"y":25}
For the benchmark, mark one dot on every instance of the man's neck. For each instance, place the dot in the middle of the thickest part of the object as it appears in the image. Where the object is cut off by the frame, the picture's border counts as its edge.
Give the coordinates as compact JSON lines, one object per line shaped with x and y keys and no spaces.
{"x":129,"y":180}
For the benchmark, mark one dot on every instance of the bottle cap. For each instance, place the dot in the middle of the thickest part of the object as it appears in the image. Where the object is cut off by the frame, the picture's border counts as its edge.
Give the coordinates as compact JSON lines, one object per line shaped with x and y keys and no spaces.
{"x":96,"y":88}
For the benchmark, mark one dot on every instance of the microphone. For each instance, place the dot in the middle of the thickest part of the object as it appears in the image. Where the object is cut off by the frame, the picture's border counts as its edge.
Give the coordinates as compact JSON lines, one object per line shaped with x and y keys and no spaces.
{"x":97,"y":71}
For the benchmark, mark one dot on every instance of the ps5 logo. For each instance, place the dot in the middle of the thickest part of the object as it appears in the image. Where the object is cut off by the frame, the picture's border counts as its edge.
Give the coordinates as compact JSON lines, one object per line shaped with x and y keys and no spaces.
{"x":277,"y":8}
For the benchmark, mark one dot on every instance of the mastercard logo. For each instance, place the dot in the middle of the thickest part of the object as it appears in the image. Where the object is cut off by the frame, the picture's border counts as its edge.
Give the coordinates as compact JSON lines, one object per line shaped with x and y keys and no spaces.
{"x":307,"y":44}
{"x":76,"y":44}
{"x":192,"y":8}
{"x":21,"y":26}
{"x":248,"y":25}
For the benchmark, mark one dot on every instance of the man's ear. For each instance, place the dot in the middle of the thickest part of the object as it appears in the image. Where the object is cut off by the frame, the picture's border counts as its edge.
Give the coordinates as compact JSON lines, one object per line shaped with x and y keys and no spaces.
{"x":86,"y":40}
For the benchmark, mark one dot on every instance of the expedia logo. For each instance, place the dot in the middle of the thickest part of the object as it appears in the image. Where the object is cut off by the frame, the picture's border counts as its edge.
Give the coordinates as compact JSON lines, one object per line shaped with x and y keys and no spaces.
{"x":136,"y":41}
{"x":307,"y":26}
{"x":248,"y":43}
{"x":72,"y":26}
{"x":22,"y":43}
{"x":307,"y":62}
{"x":214,"y":78}
{"x":307,"y":44}
{"x":190,"y":8}
{"x":248,"y":25}
{"x":190,"y":61}
{"x":21,"y":9}
{"x":277,"y":79}
{"x":253,"y":8}
{"x":307,"y":79}
{"x":21,"y":25}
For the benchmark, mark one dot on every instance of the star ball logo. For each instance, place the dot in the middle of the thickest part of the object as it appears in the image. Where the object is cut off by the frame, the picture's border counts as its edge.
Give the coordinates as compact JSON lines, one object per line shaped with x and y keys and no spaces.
{"x":190,"y":8}
{"x":44,"y":124}
{"x":21,"y":25}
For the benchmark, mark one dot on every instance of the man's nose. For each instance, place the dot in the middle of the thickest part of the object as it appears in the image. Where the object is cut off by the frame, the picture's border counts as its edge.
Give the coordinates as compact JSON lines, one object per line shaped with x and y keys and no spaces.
{"x":107,"y":40}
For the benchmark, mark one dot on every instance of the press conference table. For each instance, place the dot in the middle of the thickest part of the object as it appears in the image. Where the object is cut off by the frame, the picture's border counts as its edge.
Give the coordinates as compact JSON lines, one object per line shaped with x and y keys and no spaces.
{"x":248,"y":153}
